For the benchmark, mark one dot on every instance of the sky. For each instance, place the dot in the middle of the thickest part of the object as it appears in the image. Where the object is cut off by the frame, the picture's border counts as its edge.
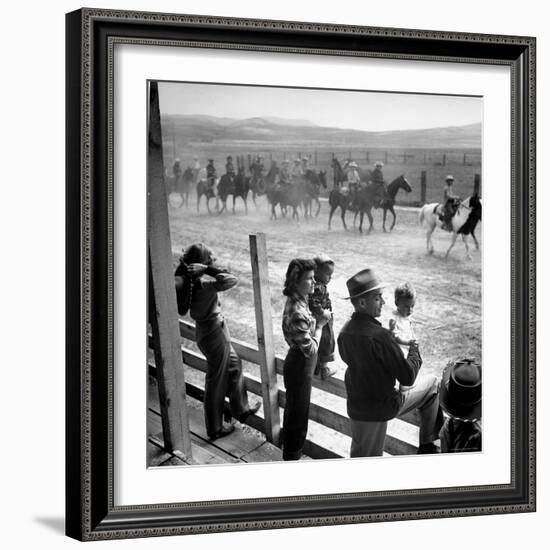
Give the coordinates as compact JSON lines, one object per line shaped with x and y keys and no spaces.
{"x":361,"y":110}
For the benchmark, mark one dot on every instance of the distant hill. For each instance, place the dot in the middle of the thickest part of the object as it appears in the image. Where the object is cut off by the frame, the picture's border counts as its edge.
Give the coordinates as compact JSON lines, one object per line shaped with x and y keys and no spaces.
{"x":209,"y":129}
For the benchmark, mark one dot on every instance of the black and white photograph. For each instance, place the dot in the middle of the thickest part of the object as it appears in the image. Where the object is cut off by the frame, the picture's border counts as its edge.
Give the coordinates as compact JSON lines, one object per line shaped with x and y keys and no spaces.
{"x":325,"y":247}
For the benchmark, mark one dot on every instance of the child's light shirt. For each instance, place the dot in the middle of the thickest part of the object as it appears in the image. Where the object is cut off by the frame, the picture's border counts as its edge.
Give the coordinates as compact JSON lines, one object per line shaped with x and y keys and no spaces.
{"x":403,"y":329}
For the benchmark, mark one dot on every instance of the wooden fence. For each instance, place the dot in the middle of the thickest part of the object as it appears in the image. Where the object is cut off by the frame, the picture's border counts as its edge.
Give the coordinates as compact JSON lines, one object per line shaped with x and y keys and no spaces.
{"x":402,"y":435}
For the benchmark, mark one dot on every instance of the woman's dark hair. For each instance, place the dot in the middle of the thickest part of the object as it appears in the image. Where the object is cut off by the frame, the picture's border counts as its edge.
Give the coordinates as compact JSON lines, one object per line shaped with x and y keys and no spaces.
{"x":296,"y":268}
{"x":198,"y":253}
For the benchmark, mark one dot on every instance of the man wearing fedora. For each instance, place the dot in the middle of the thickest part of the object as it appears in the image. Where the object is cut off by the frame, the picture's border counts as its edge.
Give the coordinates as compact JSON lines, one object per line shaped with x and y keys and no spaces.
{"x":460,"y":396}
{"x":375,"y":362}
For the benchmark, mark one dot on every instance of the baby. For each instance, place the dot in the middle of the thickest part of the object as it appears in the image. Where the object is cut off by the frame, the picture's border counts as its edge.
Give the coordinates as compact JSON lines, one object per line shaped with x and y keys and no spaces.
{"x":319,"y":301}
{"x":400,"y":323}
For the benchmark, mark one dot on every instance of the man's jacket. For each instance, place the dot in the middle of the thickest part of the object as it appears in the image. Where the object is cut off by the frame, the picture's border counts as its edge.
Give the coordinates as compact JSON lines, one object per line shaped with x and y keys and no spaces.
{"x":374,"y":362}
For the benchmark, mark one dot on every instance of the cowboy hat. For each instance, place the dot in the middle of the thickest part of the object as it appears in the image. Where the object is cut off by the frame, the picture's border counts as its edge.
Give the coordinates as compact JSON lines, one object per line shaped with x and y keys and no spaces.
{"x":449,"y":178}
{"x":460,"y":390}
{"x":378,"y":164}
{"x":363,"y":282}
{"x":353,"y":164}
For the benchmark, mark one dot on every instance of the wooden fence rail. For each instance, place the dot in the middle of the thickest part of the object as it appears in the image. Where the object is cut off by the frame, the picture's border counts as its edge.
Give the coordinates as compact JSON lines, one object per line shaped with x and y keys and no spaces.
{"x":402,"y":432}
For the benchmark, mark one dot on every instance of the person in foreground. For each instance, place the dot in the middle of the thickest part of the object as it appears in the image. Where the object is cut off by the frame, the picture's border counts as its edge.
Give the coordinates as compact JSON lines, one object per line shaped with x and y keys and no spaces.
{"x":198,"y":280}
{"x":302,"y":332}
{"x":460,"y":396}
{"x":375,"y":362}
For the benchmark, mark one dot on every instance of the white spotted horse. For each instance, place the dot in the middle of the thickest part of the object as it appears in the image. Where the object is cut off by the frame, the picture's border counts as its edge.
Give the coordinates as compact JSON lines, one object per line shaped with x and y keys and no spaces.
{"x":463,"y":222}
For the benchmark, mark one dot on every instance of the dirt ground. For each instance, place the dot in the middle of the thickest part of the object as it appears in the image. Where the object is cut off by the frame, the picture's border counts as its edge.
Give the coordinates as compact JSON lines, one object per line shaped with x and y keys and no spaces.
{"x":447,"y":315}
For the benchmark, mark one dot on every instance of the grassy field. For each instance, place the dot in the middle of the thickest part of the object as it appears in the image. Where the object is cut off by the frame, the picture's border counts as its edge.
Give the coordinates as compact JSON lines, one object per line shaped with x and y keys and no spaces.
{"x":448,"y":310}
{"x":437,"y":163}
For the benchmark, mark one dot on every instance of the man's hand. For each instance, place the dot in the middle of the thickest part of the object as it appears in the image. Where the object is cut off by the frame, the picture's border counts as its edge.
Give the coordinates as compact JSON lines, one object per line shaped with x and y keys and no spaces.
{"x":392,"y":325}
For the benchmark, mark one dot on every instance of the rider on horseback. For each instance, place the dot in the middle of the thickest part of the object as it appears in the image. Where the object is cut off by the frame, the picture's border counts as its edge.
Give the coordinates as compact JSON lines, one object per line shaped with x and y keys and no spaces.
{"x":211,"y":173}
{"x":450,"y":204}
{"x":377,"y":178}
{"x":305,"y":165}
{"x":284,"y":175}
{"x":353,"y":176}
{"x":296,"y":172}
{"x":257,"y":167}
{"x":230,"y":168}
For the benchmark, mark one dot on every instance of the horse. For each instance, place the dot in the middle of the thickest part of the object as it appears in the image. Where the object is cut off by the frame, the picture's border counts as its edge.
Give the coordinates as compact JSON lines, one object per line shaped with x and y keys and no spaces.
{"x":204,"y":188}
{"x":238,"y":186}
{"x":367,"y":200}
{"x":183,"y":185}
{"x":312,"y":186}
{"x":463,"y":222}
{"x":343,"y":198}
{"x":275,"y":191}
{"x":258,"y":184}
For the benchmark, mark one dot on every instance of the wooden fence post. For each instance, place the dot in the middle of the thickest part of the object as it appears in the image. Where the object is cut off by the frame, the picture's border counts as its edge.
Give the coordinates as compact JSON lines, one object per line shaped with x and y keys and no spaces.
{"x":464,"y":160}
{"x":368,"y":158}
{"x":264,"y":330}
{"x":444,"y":159}
{"x":477,"y":184}
{"x":385,"y":157}
{"x":162,"y":296}
{"x":423,"y":187}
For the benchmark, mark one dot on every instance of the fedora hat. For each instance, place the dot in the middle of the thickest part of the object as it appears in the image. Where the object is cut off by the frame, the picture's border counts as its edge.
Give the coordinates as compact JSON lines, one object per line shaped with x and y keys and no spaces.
{"x":460,"y":389}
{"x":363,"y":282}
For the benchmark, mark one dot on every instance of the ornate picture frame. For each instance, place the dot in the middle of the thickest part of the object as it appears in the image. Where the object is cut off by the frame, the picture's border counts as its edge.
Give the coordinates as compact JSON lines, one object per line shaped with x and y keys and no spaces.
{"x":90,"y":186}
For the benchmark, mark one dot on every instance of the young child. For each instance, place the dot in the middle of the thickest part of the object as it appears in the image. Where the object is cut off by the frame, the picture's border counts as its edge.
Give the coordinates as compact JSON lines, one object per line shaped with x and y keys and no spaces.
{"x":401,"y":323}
{"x":460,"y":398}
{"x":319,"y":301}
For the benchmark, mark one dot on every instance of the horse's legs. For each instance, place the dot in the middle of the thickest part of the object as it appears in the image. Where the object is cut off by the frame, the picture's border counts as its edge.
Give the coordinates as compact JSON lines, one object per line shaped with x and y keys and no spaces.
{"x":318,"y":207}
{"x":332,"y":209}
{"x":234,"y":199}
{"x":429,"y":243}
{"x":362,"y":214}
{"x":394,"y":216}
{"x":355,"y":217}
{"x":468,"y":255}
{"x":369,"y":215}
{"x":384,"y":220}
{"x":198,"y":201}
{"x":475,"y":240}
{"x":224,"y":204}
{"x":343,"y":216}
{"x":245,"y":205}
{"x":453,"y":241}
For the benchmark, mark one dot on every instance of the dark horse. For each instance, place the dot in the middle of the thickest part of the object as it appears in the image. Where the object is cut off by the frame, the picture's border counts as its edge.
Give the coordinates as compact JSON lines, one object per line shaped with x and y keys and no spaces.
{"x":343,"y":198}
{"x":204,"y":188}
{"x":276,"y":191}
{"x":340,"y":176}
{"x":183,"y":185}
{"x":311,"y":187}
{"x":367,"y":200}
{"x":238,"y":186}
